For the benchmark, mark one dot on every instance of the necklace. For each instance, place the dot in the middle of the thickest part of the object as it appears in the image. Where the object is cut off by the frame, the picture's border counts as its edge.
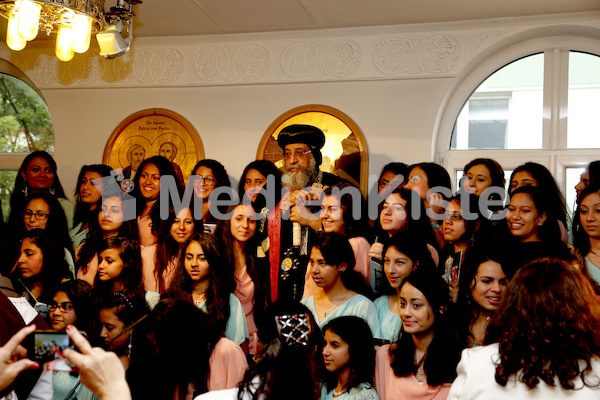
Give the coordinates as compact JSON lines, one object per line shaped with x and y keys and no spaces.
{"x":334,"y":306}
{"x":420,"y":374}
{"x":199,"y":298}
{"x":338,"y":394}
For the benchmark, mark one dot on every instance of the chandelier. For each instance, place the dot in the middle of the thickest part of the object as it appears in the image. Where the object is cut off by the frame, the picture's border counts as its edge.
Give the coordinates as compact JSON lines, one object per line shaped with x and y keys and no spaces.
{"x":74,"y":21}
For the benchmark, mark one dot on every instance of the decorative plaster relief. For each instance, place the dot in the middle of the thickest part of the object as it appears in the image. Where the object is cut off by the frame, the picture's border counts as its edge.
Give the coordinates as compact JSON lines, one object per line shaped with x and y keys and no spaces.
{"x":149,"y":65}
{"x":321,"y":59}
{"x":416,"y":54}
{"x":83,"y":69}
{"x":230,"y":63}
{"x":485,"y":41}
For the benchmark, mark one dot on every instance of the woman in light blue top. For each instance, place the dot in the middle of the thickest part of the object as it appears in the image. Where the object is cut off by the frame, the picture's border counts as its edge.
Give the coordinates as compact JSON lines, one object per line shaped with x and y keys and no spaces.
{"x":205,"y":279}
{"x":403,"y":253}
{"x":349,"y":357}
{"x":331,"y":263}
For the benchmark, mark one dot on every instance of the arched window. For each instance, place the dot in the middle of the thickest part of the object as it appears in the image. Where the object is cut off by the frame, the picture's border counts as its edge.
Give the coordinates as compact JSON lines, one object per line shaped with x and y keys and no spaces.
{"x":25,"y":126}
{"x":535,"y":100}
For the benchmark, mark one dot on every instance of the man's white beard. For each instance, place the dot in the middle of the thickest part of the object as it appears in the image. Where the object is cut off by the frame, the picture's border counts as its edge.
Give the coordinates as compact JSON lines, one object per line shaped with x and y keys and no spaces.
{"x":300,"y":178}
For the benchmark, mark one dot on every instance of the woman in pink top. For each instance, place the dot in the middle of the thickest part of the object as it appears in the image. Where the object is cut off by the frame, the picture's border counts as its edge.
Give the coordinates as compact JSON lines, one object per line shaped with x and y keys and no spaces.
{"x":159,"y":262}
{"x":422,"y":363}
{"x":237,"y":236}
{"x":337,"y":215}
{"x":146,"y":190}
{"x":111,"y":221}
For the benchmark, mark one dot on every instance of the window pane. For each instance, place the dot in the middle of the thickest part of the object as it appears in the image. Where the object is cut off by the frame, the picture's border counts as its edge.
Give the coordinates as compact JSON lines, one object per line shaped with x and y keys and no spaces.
{"x":505,"y":112}
{"x":583,"y":123}
{"x":7,"y":183}
{"x":25,"y":122}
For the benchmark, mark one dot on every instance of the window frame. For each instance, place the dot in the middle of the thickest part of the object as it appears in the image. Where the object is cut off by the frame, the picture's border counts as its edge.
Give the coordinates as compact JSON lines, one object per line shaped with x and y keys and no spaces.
{"x":554,"y":153}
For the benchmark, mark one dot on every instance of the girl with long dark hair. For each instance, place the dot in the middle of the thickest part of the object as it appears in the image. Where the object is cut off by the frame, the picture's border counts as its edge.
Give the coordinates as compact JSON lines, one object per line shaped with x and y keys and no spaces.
{"x":331,"y":265}
{"x":422,"y":363}
{"x":88,"y":195}
{"x":237,"y":235}
{"x":349,"y":357}
{"x":204,"y":278}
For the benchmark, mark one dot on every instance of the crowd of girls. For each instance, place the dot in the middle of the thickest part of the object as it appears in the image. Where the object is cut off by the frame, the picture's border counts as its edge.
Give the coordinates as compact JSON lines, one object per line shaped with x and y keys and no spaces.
{"x":389,"y":302}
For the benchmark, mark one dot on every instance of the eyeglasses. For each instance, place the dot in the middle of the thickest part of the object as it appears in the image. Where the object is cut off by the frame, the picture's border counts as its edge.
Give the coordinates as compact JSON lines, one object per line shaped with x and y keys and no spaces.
{"x":296,"y":154}
{"x":454,"y":216}
{"x":208,"y":181}
{"x":39,"y":215}
{"x":65,"y":308}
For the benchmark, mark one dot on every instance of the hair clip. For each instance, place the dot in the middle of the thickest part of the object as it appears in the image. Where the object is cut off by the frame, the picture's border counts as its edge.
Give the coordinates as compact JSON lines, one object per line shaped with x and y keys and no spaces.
{"x":293,"y":329}
{"x":120,"y":294}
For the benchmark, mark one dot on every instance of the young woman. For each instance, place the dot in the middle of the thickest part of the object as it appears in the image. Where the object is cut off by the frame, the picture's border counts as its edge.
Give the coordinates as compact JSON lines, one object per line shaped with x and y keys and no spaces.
{"x":209,"y":175}
{"x":159,"y":264}
{"x":209,"y":360}
{"x":337,"y":216}
{"x":422,"y":363}
{"x":72,"y":304}
{"x":331,"y":265}
{"x":462,"y":229}
{"x":587,"y":237}
{"x":254,"y":178}
{"x":43,"y":211}
{"x":534,"y":174}
{"x":88,"y":195}
{"x":40,"y":267}
{"x":534,"y":231}
{"x":432,"y":183}
{"x":205,"y":279}
{"x":288,"y":363}
{"x":37,"y":174}
{"x":543,"y":340}
{"x":349,"y":356}
{"x":123,"y":333}
{"x":119,"y":266}
{"x":237,"y":236}
{"x":395,"y":173}
{"x":403,"y":254}
{"x":484,"y":282}
{"x":110,"y":221}
{"x":482,"y":173}
{"x":401,"y":212}
{"x":146,"y":190}
{"x":590,"y":176}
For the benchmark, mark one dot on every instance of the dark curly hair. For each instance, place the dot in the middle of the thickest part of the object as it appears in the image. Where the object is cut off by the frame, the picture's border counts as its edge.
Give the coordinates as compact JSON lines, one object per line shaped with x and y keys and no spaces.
{"x":546,"y":326}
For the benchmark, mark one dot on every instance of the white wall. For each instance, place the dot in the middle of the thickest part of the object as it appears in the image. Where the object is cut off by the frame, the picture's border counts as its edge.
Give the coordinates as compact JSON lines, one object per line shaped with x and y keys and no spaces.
{"x":394,"y":97}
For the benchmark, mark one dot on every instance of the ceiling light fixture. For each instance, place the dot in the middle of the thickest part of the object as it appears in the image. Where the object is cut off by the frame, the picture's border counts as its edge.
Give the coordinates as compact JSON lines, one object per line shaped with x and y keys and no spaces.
{"x":74,"y":21}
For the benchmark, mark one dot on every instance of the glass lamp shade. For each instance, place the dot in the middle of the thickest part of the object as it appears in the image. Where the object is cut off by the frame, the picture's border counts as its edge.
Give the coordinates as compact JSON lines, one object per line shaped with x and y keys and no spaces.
{"x":29,"y":19}
{"x":64,"y":43}
{"x":14,"y":41}
{"x":82,"y":31}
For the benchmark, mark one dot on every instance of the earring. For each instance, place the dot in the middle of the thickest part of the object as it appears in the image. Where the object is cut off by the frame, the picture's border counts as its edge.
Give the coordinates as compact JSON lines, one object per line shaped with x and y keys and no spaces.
{"x":52,"y":191}
{"x":129,"y":346}
{"x":25,"y":190}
